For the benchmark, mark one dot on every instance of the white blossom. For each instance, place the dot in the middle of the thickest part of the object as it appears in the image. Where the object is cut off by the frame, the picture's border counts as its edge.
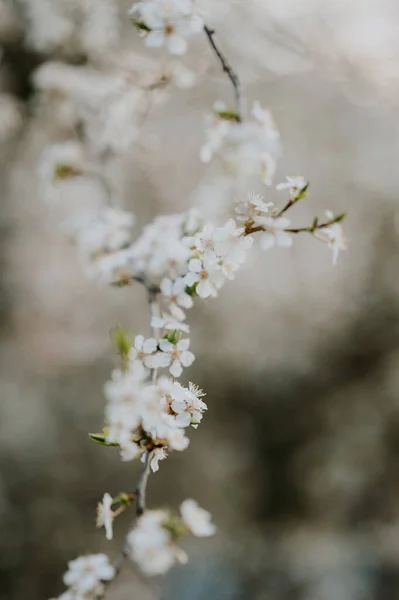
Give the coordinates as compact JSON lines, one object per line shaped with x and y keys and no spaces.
{"x":197,"y":520}
{"x":150,"y":544}
{"x":159,"y":252}
{"x":100,"y":32}
{"x":264,"y":117}
{"x":173,"y":292}
{"x":110,"y":268}
{"x":175,"y":356}
{"x":294,"y":184}
{"x":87,"y":572}
{"x":157,"y":455}
{"x":122,"y":421}
{"x":252,"y":209}
{"x":187,"y":405}
{"x":125,"y":385}
{"x":105,"y":516}
{"x":170,"y":22}
{"x":274,"y":234}
{"x":268,"y":166}
{"x":177,"y":439}
{"x":206,"y":273}
{"x":183,"y":77}
{"x":168,"y":323}
{"x":333,"y":235}
{"x":143,"y":350}
{"x":246,"y":148}
{"x":130,"y":451}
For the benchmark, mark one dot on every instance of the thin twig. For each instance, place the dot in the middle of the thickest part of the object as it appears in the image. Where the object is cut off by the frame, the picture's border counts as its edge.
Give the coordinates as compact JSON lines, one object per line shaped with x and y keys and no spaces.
{"x":142,"y":486}
{"x":140,"y":508}
{"x":231,"y":74}
{"x":310,"y":229}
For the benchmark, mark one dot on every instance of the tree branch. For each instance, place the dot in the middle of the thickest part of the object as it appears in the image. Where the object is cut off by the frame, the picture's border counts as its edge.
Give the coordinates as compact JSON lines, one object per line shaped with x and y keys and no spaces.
{"x":142,"y":486}
{"x":140,"y":508}
{"x":231,"y":74}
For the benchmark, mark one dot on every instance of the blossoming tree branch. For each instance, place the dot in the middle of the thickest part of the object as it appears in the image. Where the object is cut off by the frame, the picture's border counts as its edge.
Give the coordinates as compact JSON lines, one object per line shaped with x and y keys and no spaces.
{"x":179,"y":259}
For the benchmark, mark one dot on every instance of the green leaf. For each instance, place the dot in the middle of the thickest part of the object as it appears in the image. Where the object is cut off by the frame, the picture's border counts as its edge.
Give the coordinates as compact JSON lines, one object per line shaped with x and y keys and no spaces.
{"x":228,"y":115}
{"x":99,"y":438}
{"x":65,"y":172}
{"x":141,"y":25}
{"x":120,"y":284}
{"x":303,"y":192}
{"x":340,"y":217}
{"x":122,"y":340}
{"x":172,"y":337}
{"x":191,"y":290}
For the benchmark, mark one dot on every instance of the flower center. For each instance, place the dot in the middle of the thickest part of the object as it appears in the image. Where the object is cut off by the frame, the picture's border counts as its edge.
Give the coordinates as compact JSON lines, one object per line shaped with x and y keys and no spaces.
{"x":204,"y":274}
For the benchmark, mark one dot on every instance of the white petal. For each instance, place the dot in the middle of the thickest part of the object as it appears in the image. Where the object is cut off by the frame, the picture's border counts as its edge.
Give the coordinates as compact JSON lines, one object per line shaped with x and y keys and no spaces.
{"x":206,"y":153}
{"x":267,"y":241}
{"x":166,"y":286}
{"x":158,"y":360}
{"x":150,"y":346}
{"x":166,"y":346}
{"x":187,"y":358}
{"x":205,"y":289}
{"x":283,"y":239}
{"x":138,"y":342}
{"x":155,"y":39}
{"x":177,"y":312}
{"x":195,"y":265}
{"x":191,"y":278}
{"x":177,"y":45}
{"x":183,"y":344}
{"x":185,"y":300}
{"x":176,"y":369}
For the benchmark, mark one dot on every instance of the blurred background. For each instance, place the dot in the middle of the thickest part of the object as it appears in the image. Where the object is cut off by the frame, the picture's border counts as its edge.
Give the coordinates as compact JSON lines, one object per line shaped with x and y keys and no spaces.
{"x":298,"y":455}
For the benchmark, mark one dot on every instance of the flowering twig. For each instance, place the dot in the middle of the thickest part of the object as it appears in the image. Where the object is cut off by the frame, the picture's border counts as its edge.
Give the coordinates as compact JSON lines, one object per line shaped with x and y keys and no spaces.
{"x":231,"y":74}
{"x":142,"y":486}
{"x":177,"y":258}
{"x":314,"y":227}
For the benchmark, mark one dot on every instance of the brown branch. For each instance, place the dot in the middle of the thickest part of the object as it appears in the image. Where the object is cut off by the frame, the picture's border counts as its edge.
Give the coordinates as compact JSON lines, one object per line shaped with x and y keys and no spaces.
{"x":142,"y":486}
{"x":310,"y":229}
{"x":231,"y":74}
{"x":140,"y":498}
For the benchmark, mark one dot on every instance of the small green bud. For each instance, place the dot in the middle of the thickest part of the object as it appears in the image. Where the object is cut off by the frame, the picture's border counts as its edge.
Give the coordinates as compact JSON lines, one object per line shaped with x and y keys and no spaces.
{"x":175,"y":526}
{"x":172,"y":337}
{"x":191,"y":289}
{"x":141,"y":25}
{"x":123,"y":498}
{"x":65,"y":172}
{"x":340,"y":218}
{"x":122,"y":341}
{"x":303,"y":193}
{"x":228,"y":115}
{"x":100,"y":438}
{"x":122,"y":283}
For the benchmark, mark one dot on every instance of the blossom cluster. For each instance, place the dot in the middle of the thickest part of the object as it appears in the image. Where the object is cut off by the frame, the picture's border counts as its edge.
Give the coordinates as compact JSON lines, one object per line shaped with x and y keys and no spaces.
{"x":152,"y":543}
{"x":249,"y":147}
{"x":144,"y":417}
{"x":167,"y":22}
{"x":179,"y":258}
{"x":86,"y":576}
